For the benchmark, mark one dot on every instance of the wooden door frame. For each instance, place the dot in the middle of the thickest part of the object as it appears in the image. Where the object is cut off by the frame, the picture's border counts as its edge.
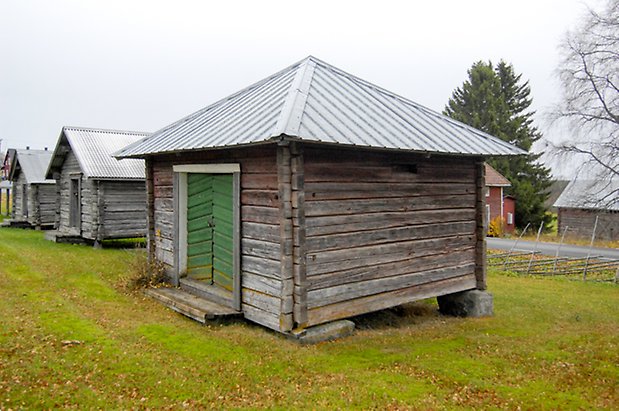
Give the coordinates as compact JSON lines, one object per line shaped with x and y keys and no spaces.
{"x":78,"y":212}
{"x":180,"y":205}
{"x":25,"y":203}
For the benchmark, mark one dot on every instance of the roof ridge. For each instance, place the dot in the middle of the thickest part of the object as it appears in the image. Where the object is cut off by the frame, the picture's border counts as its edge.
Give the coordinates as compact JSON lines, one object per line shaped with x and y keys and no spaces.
{"x":31,"y":150}
{"x":229,"y":97}
{"x":289,"y":120}
{"x":106,"y":130}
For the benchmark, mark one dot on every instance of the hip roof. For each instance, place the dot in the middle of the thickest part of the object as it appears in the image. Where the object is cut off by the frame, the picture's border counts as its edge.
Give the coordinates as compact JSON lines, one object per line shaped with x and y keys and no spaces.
{"x":315,"y":102}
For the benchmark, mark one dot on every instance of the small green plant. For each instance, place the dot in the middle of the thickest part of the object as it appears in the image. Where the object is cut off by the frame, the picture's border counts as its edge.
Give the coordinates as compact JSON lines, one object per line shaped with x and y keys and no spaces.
{"x":496,"y":228}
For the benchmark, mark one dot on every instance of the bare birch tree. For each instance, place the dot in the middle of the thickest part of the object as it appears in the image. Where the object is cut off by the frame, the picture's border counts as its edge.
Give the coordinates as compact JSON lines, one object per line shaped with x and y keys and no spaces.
{"x":589,"y":75}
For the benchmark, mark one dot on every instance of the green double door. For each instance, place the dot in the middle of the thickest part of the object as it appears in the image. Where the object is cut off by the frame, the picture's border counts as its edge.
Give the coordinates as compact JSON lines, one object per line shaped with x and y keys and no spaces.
{"x":210,"y":229}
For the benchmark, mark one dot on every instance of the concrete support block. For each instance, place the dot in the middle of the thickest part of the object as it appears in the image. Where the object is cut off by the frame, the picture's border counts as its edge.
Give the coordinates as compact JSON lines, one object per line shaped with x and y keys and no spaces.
{"x":324,"y":332}
{"x":472,"y":303}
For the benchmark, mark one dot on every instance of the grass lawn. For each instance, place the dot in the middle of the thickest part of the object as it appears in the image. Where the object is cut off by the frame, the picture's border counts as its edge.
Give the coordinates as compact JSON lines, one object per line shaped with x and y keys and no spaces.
{"x":70,"y":337}
{"x":3,"y":209}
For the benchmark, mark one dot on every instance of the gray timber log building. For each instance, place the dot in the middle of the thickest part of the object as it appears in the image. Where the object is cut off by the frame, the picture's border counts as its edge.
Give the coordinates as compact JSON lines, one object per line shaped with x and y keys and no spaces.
{"x":34,"y":196}
{"x":99,"y":197}
{"x":313,"y":196}
{"x":584,"y":201}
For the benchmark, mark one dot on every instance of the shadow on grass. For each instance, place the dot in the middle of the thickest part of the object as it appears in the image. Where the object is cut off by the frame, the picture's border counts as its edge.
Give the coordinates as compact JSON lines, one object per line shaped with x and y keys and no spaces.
{"x":418,"y":312}
{"x":124,"y":243}
{"x":404,"y":315}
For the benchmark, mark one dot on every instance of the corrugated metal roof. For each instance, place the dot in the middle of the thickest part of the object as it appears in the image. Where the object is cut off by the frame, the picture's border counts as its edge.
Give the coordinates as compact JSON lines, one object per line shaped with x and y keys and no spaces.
{"x":590,"y":194}
{"x":33,"y":163}
{"x":494,"y":178}
{"x":93,"y":149}
{"x":316,"y":102}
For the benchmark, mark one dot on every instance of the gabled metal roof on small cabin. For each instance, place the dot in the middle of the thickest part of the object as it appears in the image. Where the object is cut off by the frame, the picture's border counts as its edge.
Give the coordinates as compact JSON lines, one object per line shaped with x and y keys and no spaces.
{"x":494,"y":178}
{"x":33,"y":163}
{"x":315,"y":102}
{"x":93,"y":149}
{"x":590,"y":194}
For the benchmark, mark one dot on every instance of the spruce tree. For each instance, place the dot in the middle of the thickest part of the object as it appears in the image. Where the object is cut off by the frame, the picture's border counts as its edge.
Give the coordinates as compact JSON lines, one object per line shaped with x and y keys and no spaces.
{"x":494,"y":99}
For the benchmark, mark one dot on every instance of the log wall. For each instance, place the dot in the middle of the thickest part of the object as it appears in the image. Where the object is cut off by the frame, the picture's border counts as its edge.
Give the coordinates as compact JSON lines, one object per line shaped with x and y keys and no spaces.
{"x":71,"y":169}
{"x":109,"y":208}
{"x":580,"y":223}
{"x":41,"y":202}
{"x":45,"y":204}
{"x":122,"y":209}
{"x":261,"y":284}
{"x":17,"y":209}
{"x":385,"y":229}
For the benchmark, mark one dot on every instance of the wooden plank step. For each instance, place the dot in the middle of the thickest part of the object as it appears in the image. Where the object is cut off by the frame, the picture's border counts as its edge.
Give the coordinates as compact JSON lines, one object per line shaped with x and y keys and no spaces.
{"x":189,"y":304}
{"x":209,"y":292}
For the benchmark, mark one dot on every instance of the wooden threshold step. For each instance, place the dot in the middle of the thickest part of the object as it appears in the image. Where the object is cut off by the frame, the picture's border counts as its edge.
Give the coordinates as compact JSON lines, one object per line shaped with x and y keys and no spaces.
{"x":189,"y":304}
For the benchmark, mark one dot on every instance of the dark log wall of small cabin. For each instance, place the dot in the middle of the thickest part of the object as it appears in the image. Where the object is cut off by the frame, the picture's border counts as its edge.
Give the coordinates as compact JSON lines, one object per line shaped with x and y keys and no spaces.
{"x":89,"y":213}
{"x":260,"y":229}
{"x":108,"y":208}
{"x":385,"y":229}
{"x":122,"y":208}
{"x":17,"y":209}
{"x":44,"y":204}
{"x":41,"y":202}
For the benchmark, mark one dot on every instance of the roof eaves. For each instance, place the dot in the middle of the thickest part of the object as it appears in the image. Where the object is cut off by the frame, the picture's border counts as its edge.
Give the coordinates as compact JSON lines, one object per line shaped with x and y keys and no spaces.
{"x":59,"y":151}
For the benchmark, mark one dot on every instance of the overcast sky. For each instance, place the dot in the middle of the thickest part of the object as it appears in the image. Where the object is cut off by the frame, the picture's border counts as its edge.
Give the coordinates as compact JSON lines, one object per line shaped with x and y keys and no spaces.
{"x":140,"y":65}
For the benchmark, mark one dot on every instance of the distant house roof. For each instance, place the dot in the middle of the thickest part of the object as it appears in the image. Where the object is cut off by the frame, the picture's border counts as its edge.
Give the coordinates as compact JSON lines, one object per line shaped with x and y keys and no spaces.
{"x":590,"y":194}
{"x":494,"y":178}
{"x":32,"y":163}
{"x":93,"y":148}
{"x":313,"y":101}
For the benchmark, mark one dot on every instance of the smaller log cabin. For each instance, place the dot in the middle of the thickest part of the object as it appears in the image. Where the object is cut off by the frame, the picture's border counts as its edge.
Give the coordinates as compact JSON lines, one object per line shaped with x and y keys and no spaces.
{"x":98,"y":196}
{"x":34,"y":196}
{"x":312,"y":196}
{"x":586,"y":207}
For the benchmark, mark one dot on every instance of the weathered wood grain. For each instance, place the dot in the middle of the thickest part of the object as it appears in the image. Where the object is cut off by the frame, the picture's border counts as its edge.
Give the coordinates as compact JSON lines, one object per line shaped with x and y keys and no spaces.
{"x":481,"y":228}
{"x":337,"y":260}
{"x":383,"y":269}
{"x":383,"y":205}
{"x":381,"y":301}
{"x":368,"y":221}
{"x":351,"y":291}
{"x":390,"y":235}
{"x":284,"y":177}
{"x":262,"y":301}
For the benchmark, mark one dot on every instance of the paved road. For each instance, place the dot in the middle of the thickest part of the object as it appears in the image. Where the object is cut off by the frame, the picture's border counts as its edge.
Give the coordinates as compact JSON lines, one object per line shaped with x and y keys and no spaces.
{"x":567,"y":250}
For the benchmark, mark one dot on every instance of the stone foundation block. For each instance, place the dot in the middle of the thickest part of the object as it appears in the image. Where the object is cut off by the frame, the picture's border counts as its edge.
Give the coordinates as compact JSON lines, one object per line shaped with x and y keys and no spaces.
{"x":324,"y":332}
{"x":472,"y":303}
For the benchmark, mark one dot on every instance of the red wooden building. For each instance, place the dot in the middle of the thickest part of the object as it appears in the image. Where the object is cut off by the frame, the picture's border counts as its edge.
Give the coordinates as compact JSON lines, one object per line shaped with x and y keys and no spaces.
{"x":498,"y":204}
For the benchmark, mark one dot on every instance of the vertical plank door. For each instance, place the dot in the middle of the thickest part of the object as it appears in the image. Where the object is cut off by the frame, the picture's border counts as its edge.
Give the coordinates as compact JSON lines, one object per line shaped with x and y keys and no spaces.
{"x":223,"y":231}
{"x":200,"y":227}
{"x":210,"y":229}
